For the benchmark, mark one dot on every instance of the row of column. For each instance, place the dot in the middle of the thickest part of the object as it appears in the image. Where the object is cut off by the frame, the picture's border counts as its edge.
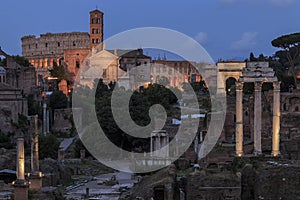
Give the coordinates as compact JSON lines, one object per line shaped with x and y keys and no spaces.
{"x":257,"y":118}
{"x":158,"y":141}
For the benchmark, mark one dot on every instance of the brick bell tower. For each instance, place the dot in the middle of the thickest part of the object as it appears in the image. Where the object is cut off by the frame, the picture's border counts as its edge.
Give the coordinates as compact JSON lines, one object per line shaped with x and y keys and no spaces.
{"x":96,"y":28}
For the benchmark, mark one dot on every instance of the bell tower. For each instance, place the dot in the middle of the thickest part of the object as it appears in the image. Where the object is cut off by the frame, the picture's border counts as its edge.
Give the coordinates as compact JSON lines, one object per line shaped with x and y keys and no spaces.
{"x":96,"y":28}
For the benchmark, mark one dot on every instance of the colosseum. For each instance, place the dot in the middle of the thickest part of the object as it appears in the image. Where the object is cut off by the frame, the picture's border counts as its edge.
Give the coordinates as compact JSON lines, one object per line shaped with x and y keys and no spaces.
{"x":52,"y":48}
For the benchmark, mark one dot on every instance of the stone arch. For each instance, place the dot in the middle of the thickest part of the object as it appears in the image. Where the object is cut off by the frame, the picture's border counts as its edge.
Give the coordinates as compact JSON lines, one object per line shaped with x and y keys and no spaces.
{"x":229,"y":83}
{"x":228,"y":70}
{"x":294,"y":103}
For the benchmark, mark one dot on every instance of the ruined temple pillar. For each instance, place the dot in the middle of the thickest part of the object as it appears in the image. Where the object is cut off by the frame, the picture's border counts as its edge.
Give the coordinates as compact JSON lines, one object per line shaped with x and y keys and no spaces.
{"x":257,"y":118}
{"x":20,"y":185}
{"x":276,"y":119}
{"x":20,"y":159}
{"x":239,"y":119}
{"x":44,"y":118}
{"x":35,"y":177}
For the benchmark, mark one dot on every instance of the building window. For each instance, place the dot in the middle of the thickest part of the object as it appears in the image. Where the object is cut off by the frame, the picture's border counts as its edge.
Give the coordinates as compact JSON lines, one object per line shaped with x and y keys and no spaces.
{"x":104,"y":73}
{"x":296,"y":109}
{"x":77,"y":64}
{"x":98,"y":21}
{"x":46,"y":44}
{"x":35,"y":45}
{"x":28,"y":46}
{"x":58,"y":44}
{"x":93,"y":41}
{"x":74,"y":43}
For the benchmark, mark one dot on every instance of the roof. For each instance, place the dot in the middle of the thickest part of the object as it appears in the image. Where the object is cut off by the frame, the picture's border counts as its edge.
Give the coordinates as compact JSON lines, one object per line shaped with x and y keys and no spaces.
{"x":129,"y":53}
{"x":96,"y":10}
{"x":2,"y":70}
{"x":7,"y":171}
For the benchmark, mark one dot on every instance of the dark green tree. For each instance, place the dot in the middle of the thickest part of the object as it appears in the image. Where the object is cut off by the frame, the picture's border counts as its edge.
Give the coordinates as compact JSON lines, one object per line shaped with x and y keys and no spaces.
{"x":291,"y":46}
{"x":58,"y":100}
{"x":48,"y":146}
{"x":60,"y":73}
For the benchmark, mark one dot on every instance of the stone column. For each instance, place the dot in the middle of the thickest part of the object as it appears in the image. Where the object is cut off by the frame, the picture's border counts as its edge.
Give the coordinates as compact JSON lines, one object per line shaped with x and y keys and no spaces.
{"x":257,"y":118}
{"x":61,"y":154}
{"x":276,"y":119}
{"x":239,"y":119}
{"x":44,"y":118}
{"x":20,"y":159}
{"x":20,"y":185}
{"x":35,"y":150}
{"x":35,"y":175}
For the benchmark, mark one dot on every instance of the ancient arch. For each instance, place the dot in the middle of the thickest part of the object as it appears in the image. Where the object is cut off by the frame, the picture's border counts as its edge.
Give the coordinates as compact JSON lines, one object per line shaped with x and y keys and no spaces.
{"x":228,"y":70}
{"x":229,"y":83}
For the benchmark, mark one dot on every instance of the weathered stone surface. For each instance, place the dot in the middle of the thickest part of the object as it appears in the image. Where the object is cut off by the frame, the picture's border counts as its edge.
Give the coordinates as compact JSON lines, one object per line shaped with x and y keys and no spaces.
{"x":271,"y":182}
{"x":225,"y":185}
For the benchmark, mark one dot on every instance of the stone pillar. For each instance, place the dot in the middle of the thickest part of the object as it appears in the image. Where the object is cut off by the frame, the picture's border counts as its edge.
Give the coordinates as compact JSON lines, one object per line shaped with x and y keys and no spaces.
{"x":82,"y":154}
{"x":276,"y":119}
{"x":44,"y":118}
{"x":20,"y":159}
{"x":239,"y":119}
{"x":61,"y":154}
{"x":257,"y":118}
{"x":35,"y":149}
{"x":20,"y":185}
{"x":35,"y":177}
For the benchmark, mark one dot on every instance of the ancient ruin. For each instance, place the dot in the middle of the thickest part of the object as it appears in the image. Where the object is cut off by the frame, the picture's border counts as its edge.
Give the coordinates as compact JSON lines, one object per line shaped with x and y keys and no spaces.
{"x":257,"y":73}
{"x":20,"y":185}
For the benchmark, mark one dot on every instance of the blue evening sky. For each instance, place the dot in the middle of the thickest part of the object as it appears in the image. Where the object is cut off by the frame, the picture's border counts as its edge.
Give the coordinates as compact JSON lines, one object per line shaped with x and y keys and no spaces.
{"x":227,"y":29}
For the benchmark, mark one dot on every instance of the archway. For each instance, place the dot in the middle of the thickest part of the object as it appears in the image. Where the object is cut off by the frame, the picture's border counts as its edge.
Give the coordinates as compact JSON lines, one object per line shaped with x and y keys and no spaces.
{"x":230,"y":85}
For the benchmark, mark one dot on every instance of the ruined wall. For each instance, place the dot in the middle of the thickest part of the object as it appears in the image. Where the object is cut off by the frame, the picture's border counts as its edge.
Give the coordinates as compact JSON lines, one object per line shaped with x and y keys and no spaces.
{"x":74,"y":59}
{"x":271,"y":182}
{"x":213,"y":186}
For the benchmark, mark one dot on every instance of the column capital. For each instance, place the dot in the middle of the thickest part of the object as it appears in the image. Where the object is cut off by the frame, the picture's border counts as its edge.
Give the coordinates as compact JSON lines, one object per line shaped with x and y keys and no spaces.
{"x":239,"y":85}
{"x":276,"y":85}
{"x":258,"y":85}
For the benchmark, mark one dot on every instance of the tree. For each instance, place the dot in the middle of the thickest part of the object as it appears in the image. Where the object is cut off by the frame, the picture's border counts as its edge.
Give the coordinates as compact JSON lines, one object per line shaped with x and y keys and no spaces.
{"x":60,"y":73}
{"x":291,"y":45}
{"x":58,"y":100}
{"x":48,"y":146}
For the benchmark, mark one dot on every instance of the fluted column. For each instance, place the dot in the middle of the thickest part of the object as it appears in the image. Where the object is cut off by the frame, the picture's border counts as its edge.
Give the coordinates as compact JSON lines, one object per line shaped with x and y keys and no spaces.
{"x":276,"y":119}
{"x":257,"y":118}
{"x":239,"y":119}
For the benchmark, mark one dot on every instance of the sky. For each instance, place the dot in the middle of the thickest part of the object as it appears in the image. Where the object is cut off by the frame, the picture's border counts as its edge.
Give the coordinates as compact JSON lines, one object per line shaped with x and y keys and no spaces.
{"x":227,"y":29}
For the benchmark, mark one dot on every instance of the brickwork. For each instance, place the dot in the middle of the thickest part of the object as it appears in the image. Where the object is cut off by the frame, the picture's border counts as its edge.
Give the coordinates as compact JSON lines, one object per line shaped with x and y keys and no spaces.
{"x":74,"y":59}
{"x":96,"y":28}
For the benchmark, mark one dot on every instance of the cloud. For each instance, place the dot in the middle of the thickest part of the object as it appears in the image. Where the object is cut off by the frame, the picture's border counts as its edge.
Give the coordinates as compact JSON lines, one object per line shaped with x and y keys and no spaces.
{"x":247,"y":42}
{"x":281,"y":3}
{"x":201,"y":37}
